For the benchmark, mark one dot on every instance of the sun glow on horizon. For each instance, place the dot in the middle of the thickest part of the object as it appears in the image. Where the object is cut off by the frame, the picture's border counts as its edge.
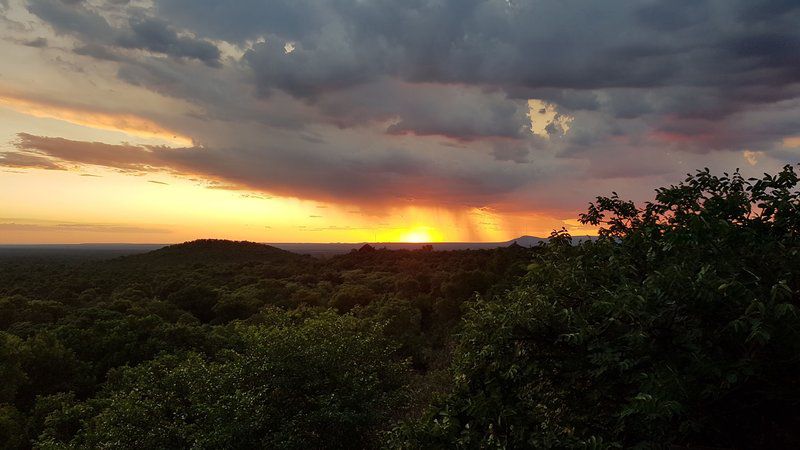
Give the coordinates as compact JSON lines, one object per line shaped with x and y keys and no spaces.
{"x":420,"y":235}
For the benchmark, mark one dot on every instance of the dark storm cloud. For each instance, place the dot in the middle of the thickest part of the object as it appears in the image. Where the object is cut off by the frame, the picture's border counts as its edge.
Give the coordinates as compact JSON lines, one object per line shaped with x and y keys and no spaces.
{"x":723,"y":54}
{"x":458,"y":112}
{"x":653,"y":61}
{"x":140,"y":33}
{"x":511,"y":151}
{"x":39,"y":42}
{"x":97,"y":52}
{"x":156,"y":36}
{"x":709,"y":59}
{"x":720,"y":44}
{"x":352,"y":100}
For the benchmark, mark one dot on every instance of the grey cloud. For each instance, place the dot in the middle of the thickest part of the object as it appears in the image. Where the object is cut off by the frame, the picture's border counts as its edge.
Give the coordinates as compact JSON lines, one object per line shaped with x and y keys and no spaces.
{"x":357,"y":111}
{"x":333,"y":63}
{"x":708,"y":59}
{"x":157,"y":36}
{"x":652,"y":76}
{"x":39,"y":42}
{"x":459,"y":112}
{"x":247,"y":19}
{"x":72,"y":18}
{"x":142,"y":33}
{"x":97,"y":52}
{"x":322,"y":173}
{"x":511,"y":151}
{"x":219,"y":92}
{"x":525,"y":44}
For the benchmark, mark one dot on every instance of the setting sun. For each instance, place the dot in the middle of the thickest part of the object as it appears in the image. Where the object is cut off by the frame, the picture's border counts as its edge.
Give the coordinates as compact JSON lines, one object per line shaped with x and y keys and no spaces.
{"x":420,"y":234}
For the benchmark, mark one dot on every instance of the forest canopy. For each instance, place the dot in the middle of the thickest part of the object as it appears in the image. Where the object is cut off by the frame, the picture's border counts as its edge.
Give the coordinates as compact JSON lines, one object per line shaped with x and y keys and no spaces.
{"x":677,"y":326}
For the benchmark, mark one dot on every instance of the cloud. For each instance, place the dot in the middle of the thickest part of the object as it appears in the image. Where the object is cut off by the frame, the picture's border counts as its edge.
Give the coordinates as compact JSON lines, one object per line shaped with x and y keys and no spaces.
{"x":511,"y":151}
{"x":39,"y":42}
{"x":27,"y":160}
{"x":158,"y":37}
{"x":752,"y":157}
{"x":525,"y":44}
{"x":463,"y":69}
{"x":428,"y":101}
{"x":458,"y":112}
{"x":390,"y":177}
{"x":39,"y":226}
{"x":124,"y":157}
{"x":91,"y":117}
{"x":140,"y":33}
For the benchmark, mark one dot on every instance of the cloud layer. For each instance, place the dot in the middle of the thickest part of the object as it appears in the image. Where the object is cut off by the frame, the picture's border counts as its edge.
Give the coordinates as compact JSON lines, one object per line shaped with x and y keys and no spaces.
{"x":429,"y":101}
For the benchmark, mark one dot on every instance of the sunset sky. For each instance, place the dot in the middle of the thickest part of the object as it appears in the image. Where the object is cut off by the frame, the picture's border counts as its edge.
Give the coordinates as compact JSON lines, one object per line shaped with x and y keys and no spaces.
{"x":376,"y":120}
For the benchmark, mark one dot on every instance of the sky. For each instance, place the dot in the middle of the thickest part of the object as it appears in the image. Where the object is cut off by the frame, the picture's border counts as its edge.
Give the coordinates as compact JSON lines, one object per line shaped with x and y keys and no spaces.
{"x":163,"y":121}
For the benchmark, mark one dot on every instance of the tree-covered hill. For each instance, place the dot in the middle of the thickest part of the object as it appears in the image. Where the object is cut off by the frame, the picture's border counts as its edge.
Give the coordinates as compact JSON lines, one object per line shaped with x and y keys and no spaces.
{"x":211,"y":251}
{"x":348,"y":338}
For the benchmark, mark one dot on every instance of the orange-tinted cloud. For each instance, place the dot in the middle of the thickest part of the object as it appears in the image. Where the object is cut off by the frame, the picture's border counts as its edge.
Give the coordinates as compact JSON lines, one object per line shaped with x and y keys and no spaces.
{"x":381,"y":182}
{"x":124,"y":157}
{"x":27,"y":160}
{"x":40,"y":226}
{"x":791,"y":142}
{"x":126,"y":123}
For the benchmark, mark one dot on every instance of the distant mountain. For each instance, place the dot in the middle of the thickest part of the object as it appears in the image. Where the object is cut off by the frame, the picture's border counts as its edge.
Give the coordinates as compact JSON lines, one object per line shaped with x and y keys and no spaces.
{"x":213,"y":251}
{"x":526,"y":241}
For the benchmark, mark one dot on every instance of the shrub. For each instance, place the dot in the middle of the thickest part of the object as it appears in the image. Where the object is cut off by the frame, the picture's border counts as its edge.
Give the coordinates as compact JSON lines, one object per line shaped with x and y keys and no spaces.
{"x":678,"y":326}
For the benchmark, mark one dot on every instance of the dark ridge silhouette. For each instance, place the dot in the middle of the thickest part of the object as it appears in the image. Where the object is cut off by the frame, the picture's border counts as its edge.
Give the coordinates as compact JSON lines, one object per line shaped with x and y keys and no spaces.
{"x":205,"y":251}
{"x":366,"y":248}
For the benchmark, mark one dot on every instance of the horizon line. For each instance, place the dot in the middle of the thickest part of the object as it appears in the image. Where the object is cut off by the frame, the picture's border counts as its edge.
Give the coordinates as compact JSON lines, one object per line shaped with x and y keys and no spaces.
{"x":2,"y":244}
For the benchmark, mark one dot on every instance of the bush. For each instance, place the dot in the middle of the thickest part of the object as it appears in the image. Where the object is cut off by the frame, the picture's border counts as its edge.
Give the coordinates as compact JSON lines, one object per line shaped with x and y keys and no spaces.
{"x":320,"y":381}
{"x":679,"y":326}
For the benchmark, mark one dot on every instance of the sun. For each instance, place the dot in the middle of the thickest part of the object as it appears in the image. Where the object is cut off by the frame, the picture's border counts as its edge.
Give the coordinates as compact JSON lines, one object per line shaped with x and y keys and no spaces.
{"x":419,"y":235}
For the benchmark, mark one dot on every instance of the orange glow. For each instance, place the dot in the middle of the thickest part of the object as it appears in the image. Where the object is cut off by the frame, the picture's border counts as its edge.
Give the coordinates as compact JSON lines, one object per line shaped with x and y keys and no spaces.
{"x":791,"y":142}
{"x":41,"y":206}
{"x":126,"y":123}
{"x":420,"y":235}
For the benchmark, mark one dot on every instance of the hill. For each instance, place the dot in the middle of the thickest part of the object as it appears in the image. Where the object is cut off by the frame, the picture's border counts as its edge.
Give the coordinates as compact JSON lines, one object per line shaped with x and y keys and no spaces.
{"x":212,"y":251}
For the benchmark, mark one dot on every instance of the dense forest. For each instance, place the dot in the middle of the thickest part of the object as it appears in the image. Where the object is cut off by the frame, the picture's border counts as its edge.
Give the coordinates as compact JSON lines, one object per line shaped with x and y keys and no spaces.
{"x":677,"y":327}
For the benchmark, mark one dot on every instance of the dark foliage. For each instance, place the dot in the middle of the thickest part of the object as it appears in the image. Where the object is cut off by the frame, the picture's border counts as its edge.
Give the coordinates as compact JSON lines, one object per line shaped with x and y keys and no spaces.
{"x":217,"y":344}
{"x":679,"y":327}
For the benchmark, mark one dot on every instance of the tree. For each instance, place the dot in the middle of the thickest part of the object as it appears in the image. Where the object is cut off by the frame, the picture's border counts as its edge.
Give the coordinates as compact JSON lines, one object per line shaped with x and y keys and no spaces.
{"x":198,"y":300}
{"x":314,"y":381}
{"x":12,"y":428}
{"x":679,"y":326}
{"x":11,"y":367}
{"x":351,"y":295}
